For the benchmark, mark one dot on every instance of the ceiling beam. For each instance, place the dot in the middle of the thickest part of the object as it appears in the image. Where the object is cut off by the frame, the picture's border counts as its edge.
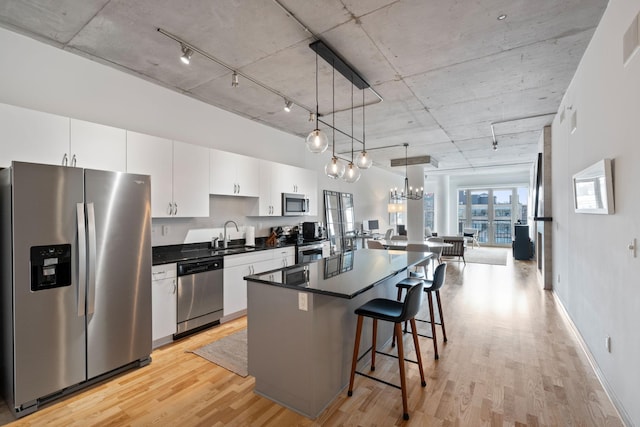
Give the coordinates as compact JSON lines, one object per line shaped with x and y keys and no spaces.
{"x":417,"y":160}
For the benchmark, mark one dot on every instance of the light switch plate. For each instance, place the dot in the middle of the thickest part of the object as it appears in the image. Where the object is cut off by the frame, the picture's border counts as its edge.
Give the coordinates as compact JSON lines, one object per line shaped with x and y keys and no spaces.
{"x":303,"y":303}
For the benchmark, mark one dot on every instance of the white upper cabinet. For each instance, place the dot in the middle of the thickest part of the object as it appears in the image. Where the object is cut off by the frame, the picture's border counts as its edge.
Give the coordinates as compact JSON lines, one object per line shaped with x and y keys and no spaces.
{"x":151,"y":155}
{"x":32,"y":136}
{"x":270,"y":199}
{"x":95,"y":146}
{"x":190,"y":180}
{"x":179,"y":174}
{"x":234,"y":174}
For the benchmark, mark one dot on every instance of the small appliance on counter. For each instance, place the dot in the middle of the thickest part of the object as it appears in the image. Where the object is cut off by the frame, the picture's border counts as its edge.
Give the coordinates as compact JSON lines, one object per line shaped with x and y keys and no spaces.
{"x":312,"y":231}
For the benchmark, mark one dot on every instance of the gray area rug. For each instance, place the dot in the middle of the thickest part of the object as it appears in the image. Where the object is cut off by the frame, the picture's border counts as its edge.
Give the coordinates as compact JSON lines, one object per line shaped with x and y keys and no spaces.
{"x":493,"y":256}
{"x":229,"y":352}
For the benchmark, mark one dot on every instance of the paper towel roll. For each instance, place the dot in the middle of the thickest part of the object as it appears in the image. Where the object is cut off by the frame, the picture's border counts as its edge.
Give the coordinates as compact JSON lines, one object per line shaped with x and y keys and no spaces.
{"x":249,"y":235}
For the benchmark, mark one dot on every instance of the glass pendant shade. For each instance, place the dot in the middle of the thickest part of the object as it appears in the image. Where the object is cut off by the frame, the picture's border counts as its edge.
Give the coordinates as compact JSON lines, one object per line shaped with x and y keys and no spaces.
{"x":317,"y":141}
{"x":364,"y":160}
{"x":351,"y":174}
{"x":335,"y":168}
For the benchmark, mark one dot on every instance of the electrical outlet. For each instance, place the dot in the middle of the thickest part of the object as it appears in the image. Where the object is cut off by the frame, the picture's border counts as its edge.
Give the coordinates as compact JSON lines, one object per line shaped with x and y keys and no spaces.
{"x":607,"y":343}
{"x":303,"y":303}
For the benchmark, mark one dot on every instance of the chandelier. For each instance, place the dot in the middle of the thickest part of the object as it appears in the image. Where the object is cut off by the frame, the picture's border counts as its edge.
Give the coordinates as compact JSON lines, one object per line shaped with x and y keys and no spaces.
{"x":408,"y":193}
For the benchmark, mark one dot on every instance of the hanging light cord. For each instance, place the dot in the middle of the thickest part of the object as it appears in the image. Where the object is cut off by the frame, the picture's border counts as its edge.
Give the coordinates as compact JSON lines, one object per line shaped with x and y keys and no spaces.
{"x":333,"y":107}
{"x":352,"y":121}
{"x":364,"y":146}
{"x":317,"y":91}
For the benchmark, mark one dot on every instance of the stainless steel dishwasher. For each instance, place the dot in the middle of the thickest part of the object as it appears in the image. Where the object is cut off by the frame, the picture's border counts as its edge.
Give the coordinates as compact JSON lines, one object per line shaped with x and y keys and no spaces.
{"x":199,"y":295}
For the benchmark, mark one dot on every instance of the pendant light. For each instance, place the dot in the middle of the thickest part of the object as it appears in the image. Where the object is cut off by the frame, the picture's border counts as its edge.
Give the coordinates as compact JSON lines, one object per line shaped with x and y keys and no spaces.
{"x":335,"y":168}
{"x":352,"y":173}
{"x":317,"y":141}
{"x":364,"y":161}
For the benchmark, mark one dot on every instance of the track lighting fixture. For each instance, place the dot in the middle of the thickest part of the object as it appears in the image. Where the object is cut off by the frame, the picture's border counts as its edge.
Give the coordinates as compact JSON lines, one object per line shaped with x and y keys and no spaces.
{"x":234,"y":79}
{"x":186,"y":54}
{"x":494,"y":145}
{"x":312,"y":117}
{"x":287,"y":105}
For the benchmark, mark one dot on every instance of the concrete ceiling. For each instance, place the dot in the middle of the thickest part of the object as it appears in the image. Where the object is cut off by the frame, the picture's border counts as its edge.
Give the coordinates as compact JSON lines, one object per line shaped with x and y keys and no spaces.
{"x":446,"y":70}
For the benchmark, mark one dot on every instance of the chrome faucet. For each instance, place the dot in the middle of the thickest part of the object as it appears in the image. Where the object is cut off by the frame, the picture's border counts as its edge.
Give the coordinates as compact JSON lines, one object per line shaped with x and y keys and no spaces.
{"x":225,"y":243}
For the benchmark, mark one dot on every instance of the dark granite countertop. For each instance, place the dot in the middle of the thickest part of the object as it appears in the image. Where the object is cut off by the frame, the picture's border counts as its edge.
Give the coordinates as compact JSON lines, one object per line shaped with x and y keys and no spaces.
{"x":177,"y":253}
{"x":344,"y":275}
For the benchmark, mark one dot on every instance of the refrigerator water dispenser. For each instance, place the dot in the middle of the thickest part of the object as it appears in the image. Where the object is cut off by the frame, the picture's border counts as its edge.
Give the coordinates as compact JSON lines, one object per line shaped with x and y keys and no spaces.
{"x":50,"y":266}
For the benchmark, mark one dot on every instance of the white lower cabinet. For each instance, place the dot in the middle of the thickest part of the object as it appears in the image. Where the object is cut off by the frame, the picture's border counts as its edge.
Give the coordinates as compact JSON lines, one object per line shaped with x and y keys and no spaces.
{"x":164,"y":303}
{"x":236,"y":267}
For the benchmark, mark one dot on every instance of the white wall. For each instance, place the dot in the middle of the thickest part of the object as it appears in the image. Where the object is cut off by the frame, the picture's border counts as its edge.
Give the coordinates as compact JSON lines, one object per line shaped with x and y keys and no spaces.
{"x":48,"y":79}
{"x":595,"y":276}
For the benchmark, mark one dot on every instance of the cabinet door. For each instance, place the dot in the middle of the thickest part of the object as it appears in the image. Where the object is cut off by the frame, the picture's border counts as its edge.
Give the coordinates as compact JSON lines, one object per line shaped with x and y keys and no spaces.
{"x":235,"y":289}
{"x":95,"y":146}
{"x":190,"y":180}
{"x":222,"y":173}
{"x":151,"y":155}
{"x":266,"y":204}
{"x":308,"y":186}
{"x":32,"y":136}
{"x":163,"y":301}
{"x":164,"y":307}
{"x":248,"y":175}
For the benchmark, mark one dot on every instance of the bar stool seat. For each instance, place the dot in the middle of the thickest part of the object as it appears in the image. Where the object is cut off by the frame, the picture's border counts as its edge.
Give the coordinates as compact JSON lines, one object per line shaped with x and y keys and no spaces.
{"x":396,"y":312}
{"x":430,"y":287}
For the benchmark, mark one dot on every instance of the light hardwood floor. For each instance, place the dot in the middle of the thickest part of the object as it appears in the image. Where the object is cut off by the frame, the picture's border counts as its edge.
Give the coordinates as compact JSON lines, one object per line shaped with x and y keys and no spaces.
{"x":511,"y":359}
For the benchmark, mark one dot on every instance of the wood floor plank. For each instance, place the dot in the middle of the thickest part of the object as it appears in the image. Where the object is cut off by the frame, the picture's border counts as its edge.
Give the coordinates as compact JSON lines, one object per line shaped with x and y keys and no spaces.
{"x":511,"y":359}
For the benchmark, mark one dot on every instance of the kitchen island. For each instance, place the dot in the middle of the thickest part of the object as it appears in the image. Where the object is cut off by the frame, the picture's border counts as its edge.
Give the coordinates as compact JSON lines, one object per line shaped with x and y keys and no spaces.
{"x":301,"y":323}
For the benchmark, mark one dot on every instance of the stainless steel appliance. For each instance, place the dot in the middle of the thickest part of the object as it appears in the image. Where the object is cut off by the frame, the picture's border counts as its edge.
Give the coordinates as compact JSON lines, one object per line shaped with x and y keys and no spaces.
{"x":294,"y":204}
{"x":199,"y":294}
{"x":76,"y":279}
{"x":312,"y":251}
{"x":313,"y":231}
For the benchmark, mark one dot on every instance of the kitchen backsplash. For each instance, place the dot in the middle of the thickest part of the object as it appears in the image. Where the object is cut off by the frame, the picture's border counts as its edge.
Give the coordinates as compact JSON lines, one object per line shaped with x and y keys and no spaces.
{"x":175,"y":231}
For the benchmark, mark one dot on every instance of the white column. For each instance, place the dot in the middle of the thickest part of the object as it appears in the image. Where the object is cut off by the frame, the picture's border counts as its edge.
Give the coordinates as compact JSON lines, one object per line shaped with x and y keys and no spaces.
{"x":442,"y":203}
{"x":415,"y":208}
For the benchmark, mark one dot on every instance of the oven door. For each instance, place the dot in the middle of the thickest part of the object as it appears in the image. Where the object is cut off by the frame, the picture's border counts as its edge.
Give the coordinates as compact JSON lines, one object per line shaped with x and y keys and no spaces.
{"x":309,"y":253}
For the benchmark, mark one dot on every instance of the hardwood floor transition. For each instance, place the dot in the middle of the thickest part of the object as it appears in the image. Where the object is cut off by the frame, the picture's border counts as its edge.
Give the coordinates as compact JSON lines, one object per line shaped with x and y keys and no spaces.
{"x":511,"y":359}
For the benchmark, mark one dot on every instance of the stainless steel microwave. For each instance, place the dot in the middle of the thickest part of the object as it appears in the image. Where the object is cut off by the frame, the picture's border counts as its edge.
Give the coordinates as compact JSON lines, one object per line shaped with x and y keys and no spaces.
{"x":294,"y":204}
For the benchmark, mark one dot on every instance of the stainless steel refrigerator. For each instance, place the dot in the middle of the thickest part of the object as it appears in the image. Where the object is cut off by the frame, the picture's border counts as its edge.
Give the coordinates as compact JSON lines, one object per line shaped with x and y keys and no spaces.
{"x":76,"y":279}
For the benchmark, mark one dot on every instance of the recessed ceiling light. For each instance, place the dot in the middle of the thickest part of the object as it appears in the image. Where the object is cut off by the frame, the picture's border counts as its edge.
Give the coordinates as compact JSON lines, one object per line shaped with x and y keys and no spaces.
{"x":287,"y":105}
{"x":234,"y":79}
{"x":502,"y":17}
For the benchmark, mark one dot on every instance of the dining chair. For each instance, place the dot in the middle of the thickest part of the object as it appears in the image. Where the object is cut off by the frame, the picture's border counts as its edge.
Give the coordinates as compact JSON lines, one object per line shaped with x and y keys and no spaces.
{"x":388,"y":234}
{"x":471,"y":236}
{"x":436,"y":250}
{"x":374,"y":244}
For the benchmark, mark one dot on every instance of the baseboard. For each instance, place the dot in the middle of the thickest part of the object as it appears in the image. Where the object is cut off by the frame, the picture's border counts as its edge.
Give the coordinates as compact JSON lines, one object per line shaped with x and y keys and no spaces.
{"x":624,"y":416}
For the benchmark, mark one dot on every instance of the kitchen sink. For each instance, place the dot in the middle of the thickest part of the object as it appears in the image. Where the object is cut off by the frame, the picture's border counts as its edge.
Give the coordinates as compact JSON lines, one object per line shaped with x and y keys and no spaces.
{"x":236,"y":250}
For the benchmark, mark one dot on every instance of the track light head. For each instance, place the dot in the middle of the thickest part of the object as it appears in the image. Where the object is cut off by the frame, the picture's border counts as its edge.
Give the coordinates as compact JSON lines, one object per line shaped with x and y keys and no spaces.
{"x":494,"y":145}
{"x":186,"y":54}
{"x":234,"y":80}
{"x":287,"y":105}
{"x":312,"y":116}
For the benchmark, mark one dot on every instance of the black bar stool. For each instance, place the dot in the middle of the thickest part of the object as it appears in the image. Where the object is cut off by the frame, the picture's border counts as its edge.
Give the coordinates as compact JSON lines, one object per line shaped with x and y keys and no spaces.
{"x":395,"y":312}
{"x":431,"y":286}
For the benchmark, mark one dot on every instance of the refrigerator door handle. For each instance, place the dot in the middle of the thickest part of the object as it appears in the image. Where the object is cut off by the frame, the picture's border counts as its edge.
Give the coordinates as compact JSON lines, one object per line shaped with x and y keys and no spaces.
{"x":91,"y":237}
{"x":82,"y":259}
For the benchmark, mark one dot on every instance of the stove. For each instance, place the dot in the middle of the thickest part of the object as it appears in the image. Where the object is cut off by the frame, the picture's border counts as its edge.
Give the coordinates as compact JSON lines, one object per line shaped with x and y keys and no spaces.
{"x":308,"y":250}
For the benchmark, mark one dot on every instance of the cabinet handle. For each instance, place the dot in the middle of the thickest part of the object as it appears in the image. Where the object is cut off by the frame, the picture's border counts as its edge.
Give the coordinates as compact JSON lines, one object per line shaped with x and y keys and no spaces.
{"x":175,"y":287}
{"x":175,"y":209}
{"x":238,"y":188}
{"x":73,"y":161}
{"x":65,"y":159}
{"x":170,"y":209}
